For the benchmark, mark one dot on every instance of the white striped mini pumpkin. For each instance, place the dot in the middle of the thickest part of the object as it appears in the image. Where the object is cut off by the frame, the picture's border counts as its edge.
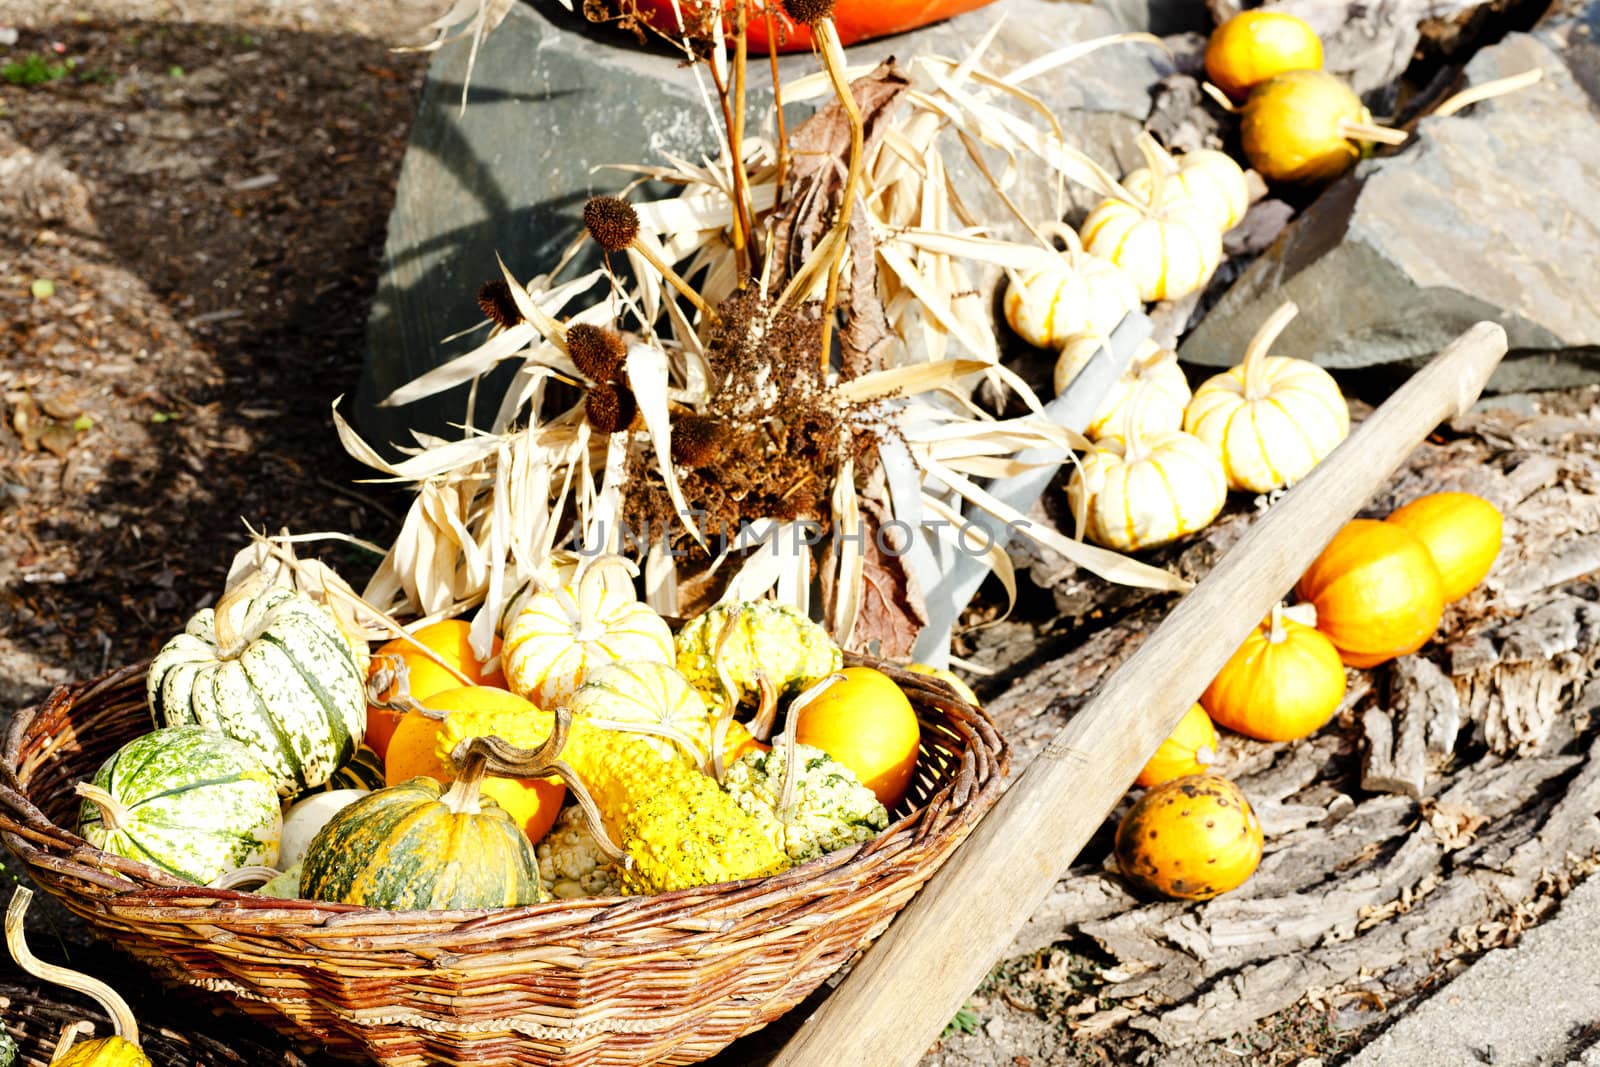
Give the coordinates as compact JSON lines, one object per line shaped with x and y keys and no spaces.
{"x":270,"y":668}
{"x":1154,"y":370}
{"x":1207,"y":177}
{"x":651,"y":699}
{"x":1067,"y":294}
{"x":1271,"y":418}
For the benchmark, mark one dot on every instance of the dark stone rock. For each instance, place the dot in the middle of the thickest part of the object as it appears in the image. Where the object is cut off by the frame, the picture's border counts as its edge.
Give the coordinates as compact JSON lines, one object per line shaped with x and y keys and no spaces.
{"x":552,"y":98}
{"x":1493,"y":213}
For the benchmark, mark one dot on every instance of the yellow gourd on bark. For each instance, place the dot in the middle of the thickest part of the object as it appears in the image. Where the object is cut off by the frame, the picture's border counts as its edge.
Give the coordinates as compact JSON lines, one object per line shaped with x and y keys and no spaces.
{"x":1154,"y":371}
{"x":1272,"y":418}
{"x":1285,"y":682}
{"x":1146,"y":489}
{"x":1191,"y":838}
{"x":1191,"y":749}
{"x":1462,"y":532}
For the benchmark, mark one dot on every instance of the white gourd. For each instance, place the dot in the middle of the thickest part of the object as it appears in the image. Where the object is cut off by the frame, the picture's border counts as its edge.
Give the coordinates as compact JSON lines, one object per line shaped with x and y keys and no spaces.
{"x":1154,"y":370}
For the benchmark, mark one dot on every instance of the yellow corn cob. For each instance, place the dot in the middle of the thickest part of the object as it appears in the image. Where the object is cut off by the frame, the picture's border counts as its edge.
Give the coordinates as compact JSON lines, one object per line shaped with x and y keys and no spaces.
{"x":677,"y":825}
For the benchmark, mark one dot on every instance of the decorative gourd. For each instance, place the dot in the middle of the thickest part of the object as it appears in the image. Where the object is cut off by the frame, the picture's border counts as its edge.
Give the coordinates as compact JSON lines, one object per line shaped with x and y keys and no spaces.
{"x":1284,"y":683}
{"x":401,"y":673}
{"x":1253,"y":46}
{"x":560,"y":636}
{"x":950,"y":678}
{"x":1205,"y":176}
{"x":271,"y":669}
{"x":122,"y":1048}
{"x":863,"y":720}
{"x":1462,"y":532}
{"x":422,"y":746}
{"x":557,"y":570}
{"x":651,"y":699}
{"x":1153,"y":370}
{"x":1191,"y":749}
{"x":186,"y":800}
{"x":1068,"y":294}
{"x":1169,"y":245}
{"x":1191,"y":838}
{"x":757,"y":650}
{"x":420,"y":846}
{"x":364,"y":771}
{"x":1376,"y":591}
{"x":1272,"y":418}
{"x":1147,"y":489}
{"x":305,"y":818}
{"x":1306,"y":126}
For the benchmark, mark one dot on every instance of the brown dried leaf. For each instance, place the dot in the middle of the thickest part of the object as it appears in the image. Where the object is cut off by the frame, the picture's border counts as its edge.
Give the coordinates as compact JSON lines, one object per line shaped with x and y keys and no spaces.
{"x":892,"y":609}
{"x":867,"y":338}
{"x":58,"y":439}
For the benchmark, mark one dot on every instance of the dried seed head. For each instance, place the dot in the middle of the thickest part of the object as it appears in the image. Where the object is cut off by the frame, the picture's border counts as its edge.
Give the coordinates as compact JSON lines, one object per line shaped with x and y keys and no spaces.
{"x":611,"y":221}
{"x":808,"y":11}
{"x":498,"y":307}
{"x":597,"y":352}
{"x":610,"y":408}
{"x":697,"y":440}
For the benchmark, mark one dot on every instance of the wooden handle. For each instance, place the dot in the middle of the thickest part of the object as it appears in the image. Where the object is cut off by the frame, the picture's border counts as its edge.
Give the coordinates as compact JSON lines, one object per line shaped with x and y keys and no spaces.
{"x":914,"y":979}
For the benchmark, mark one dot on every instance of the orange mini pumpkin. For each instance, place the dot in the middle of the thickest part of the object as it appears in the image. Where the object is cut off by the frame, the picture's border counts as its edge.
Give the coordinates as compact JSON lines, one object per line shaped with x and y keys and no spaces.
{"x":1191,"y":838}
{"x":1376,"y":590}
{"x":1283,"y":683}
{"x":1191,"y":749}
{"x":865,"y":722}
{"x":1462,"y":532}
{"x":448,"y":639}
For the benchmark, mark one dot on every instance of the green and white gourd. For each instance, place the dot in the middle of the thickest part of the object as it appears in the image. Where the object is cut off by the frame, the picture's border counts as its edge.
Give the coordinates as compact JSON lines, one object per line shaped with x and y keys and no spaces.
{"x":187,"y":801}
{"x":271,"y":669}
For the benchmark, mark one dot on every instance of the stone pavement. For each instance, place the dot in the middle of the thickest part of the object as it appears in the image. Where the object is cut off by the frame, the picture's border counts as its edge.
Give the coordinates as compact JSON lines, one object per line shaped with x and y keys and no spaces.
{"x":1536,"y":1004}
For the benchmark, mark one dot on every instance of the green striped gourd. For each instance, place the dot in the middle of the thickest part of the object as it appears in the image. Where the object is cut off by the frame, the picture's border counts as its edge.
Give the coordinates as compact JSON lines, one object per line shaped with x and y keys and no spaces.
{"x":422,"y":846}
{"x":271,"y":669}
{"x":186,"y":800}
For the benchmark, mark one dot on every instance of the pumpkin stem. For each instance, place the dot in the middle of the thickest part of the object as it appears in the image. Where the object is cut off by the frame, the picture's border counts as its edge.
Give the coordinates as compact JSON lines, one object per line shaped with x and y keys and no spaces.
{"x":1133,"y":444}
{"x":1351,"y":130}
{"x":723,"y":675}
{"x":122,"y":1020}
{"x":1276,"y":633}
{"x":1205,"y":755}
{"x":767,"y":712}
{"x":1488,"y":90}
{"x":70,"y":1032}
{"x":1160,"y":163}
{"x":1067,"y":235}
{"x":1255,"y":354}
{"x":251,"y":876}
{"x":113,"y":812}
{"x":790,"y":737}
{"x":1220,"y":98}
{"x":1304,"y":613}
{"x":228,"y":617}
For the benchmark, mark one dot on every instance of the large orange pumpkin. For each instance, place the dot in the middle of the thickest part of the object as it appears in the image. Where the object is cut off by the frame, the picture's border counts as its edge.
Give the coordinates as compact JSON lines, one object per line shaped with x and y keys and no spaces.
{"x":1376,"y":590}
{"x":1462,"y":532}
{"x":1191,"y":749}
{"x":424,"y":676}
{"x":1191,"y":838}
{"x":857,"y":20}
{"x":421,"y":744}
{"x":866,"y":723}
{"x":1283,"y":683}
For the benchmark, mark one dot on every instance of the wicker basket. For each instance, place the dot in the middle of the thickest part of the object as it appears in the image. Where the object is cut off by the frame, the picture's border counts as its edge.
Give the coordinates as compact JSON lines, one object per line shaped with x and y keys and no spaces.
{"x":641,"y":980}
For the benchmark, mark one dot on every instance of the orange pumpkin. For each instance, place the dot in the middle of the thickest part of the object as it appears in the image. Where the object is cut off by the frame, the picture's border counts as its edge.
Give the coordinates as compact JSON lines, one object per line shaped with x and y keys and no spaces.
{"x":1462,"y":532}
{"x":856,"y":20}
{"x":1191,"y":749}
{"x":424,"y":675}
{"x":1253,"y":46}
{"x":421,"y":747}
{"x":866,"y":723}
{"x":1283,"y":683}
{"x":1191,"y":838}
{"x":1376,"y":590}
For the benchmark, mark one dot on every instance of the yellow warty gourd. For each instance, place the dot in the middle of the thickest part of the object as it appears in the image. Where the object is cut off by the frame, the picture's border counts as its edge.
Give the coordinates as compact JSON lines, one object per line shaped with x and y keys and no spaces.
{"x":1272,"y":418}
{"x":1154,"y":375}
{"x":1206,"y":177}
{"x":1147,"y":489}
{"x":1067,"y":294}
{"x":1170,"y":245}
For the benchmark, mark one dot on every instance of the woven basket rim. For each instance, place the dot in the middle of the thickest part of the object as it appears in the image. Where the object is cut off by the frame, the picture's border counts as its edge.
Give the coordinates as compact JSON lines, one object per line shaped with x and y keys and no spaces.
{"x":27,"y":831}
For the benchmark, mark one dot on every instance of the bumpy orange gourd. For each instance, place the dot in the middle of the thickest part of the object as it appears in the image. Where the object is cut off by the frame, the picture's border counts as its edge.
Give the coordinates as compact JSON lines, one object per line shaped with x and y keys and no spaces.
{"x":1191,"y":838}
{"x":1462,"y":532}
{"x":1283,"y":683}
{"x":1191,"y":749}
{"x":1376,"y":590}
{"x":1256,"y":45}
{"x":448,"y":639}
{"x":866,"y":723}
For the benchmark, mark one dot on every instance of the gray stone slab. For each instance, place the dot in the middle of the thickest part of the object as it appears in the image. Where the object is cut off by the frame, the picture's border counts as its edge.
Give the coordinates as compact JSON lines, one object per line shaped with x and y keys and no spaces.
{"x":1522,"y":1006}
{"x":1490,"y":214}
{"x":552,"y":98}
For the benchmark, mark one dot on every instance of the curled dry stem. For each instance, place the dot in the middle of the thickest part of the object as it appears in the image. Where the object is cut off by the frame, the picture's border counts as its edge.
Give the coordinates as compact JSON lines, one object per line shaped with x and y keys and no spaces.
{"x":827,"y":38}
{"x":122,"y":1020}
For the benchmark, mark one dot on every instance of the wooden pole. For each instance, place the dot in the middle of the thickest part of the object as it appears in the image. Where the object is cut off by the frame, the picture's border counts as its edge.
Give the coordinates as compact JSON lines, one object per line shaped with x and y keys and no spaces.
{"x":915,"y":978}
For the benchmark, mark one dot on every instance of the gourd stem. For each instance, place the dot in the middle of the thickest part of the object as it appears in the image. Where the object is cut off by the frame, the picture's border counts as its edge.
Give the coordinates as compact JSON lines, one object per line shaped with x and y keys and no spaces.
{"x":1304,"y":613}
{"x":1351,"y":130}
{"x":244,"y":876}
{"x":122,"y":1020}
{"x":827,"y":38}
{"x":70,"y":1032}
{"x":1255,"y":354}
{"x":767,"y":712}
{"x":1220,"y":98}
{"x":1276,"y":631}
{"x":462,"y":796}
{"x":790,"y":737}
{"x":1488,"y":90}
{"x":1161,"y":165}
{"x":1133,"y":446}
{"x":724,"y":676}
{"x":112,"y":812}
{"x":1067,"y":234}
{"x":224,"y":626}
{"x":1205,"y":755}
